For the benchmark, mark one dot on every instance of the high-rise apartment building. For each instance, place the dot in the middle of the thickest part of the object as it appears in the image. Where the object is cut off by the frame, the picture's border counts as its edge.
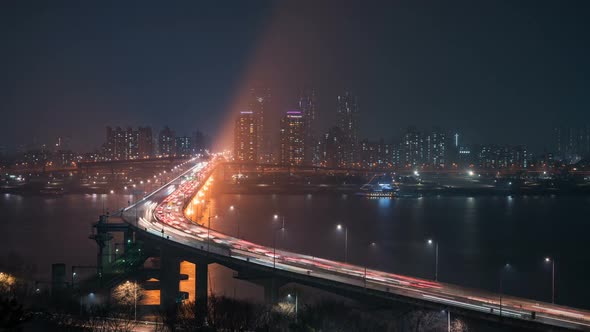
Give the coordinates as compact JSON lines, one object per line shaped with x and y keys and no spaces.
{"x":124,"y":144}
{"x":246,"y":137}
{"x":166,"y":143}
{"x":571,"y":143}
{"x":348,"y":124}
{"x":259,"y":104}
{"x":115,"y":147}
{"x":292,"y":138}
{"x":131,"y":143}
{"x":332,"y":150}
{"x":307,"y":105}
{"x":200,"y":142}
{"x":412,"y":148}
{"x":435,"y":149}
{"x":184,"y":146}
{"x":145,"y":142}
{"x":375,"y":154}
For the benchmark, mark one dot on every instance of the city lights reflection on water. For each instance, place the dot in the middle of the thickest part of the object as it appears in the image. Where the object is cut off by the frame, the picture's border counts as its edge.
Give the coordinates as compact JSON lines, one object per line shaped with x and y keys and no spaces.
{"x":474,"y":233}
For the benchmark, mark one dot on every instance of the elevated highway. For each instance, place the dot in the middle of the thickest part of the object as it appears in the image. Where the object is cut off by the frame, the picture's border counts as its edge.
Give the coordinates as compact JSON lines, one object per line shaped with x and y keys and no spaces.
{"x":162,"y":219}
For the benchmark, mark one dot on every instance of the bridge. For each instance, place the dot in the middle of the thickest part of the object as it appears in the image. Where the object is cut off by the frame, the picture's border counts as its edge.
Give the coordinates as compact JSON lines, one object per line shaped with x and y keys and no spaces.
{"x":162,"y":220}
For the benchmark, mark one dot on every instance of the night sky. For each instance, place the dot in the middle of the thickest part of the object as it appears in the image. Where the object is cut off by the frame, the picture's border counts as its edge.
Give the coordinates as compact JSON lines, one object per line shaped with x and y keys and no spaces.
{"x":499,"y":71}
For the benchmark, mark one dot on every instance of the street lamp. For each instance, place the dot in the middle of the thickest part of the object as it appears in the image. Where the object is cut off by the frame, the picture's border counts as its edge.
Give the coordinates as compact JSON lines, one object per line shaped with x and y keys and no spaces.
{"x":276,"y":217}
{"x":232,"y":208}
{"x":274,"y":245}
{"x":296,"y":304}
{"x":505,"y":267}
{"x":371,"y":245}
{"x":209,"y":229}
{"x":340,"y":227}
{"x":430,"y":242}
{"x":552,"y":261}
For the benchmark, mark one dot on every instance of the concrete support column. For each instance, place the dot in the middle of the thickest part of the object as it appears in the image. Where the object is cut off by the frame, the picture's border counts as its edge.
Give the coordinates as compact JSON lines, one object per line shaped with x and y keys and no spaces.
{"x":271,"y":291}
{"x":169,"y":281}
{"x":201,"y":284}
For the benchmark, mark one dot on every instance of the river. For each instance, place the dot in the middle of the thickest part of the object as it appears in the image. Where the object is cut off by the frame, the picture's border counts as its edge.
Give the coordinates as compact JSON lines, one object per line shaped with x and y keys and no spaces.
{"x":476,"y":236}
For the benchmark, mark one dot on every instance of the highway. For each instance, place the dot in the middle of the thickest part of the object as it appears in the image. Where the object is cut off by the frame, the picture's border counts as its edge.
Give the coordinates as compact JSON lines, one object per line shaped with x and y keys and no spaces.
{"x":164,"y":212}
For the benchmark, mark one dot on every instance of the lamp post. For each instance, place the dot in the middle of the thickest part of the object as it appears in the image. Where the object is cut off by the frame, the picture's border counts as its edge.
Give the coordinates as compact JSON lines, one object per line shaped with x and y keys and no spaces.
{"x":232,"y":208}
{"x":371,"y":245}
{"x":274,"y":246}
{"x":296,"y":304}
{"x":430,"y":242}
{"x":340,"y":227}
{"x":552,"y":261}
{"x":505,"y":267}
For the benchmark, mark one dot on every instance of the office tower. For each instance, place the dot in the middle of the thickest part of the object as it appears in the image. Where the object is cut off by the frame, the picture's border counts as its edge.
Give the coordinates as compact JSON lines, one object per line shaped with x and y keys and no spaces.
{"x":258,"y":104}
{"x":348,"y":124}
{"x":292,"y":138}
{"x":184,"y":146}
{"x":246,"y":138}
{"x":307,"y":105}
{"x":166,"y":143}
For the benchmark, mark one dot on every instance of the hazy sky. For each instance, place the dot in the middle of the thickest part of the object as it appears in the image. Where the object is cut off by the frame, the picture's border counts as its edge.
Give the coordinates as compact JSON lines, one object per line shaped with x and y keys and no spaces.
{"x":499,"y":71}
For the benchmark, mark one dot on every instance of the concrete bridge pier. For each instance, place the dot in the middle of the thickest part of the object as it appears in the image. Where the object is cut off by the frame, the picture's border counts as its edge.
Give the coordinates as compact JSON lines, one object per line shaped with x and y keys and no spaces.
{"x":201,"y":285}
{"x":271,"y":290}
{"x":169,"y":282}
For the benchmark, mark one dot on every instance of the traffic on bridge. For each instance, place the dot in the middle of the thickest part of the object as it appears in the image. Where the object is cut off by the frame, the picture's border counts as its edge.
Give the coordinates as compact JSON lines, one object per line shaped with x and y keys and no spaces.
{"x":166,"y":212}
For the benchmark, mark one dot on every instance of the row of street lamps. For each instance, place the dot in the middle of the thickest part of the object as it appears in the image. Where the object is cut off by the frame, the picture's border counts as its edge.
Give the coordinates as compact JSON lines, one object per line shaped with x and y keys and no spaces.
{"x":430,"y":242}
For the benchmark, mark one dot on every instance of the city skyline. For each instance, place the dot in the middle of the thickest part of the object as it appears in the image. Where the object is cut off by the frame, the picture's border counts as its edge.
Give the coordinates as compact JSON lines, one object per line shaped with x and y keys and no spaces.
{"x":399,"y":81}
{"x":294,"y":165}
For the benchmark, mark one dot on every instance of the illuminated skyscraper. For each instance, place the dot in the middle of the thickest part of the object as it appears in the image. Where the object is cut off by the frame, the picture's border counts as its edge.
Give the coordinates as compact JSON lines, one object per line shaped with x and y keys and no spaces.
{"x":184,"y":146}
{"x":293,"y":138}
{"x":332,"y":148}
{"x":246,"y":138}
{"x":412,"y":148}
{"x":131,"y":144}
{"x":435,"y":148}
{"x":115,"y":147}
{"x":572,"y":143}
{"x":166,"y":143}
{"x":145,"y":142}
{"x":348,"y":124}
{"x":307,"y":105}
{"x":258,"y":104}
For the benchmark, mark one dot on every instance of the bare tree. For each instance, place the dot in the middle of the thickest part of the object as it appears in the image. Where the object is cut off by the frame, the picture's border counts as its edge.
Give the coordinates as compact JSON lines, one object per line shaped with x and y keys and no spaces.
{"x":459,"y":325}
{"x":424,"y":321}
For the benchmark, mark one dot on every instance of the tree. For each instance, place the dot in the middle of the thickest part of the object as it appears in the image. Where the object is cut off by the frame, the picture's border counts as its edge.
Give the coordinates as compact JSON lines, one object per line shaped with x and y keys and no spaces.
{"x":126,"y":297}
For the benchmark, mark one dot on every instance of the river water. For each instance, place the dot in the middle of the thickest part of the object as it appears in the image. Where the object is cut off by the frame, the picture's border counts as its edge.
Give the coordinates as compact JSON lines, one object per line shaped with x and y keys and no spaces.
{"x":476,"y":236}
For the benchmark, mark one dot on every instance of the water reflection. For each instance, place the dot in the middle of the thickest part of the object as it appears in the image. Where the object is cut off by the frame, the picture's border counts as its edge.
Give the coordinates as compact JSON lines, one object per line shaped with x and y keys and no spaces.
{"x":476,"y":234}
